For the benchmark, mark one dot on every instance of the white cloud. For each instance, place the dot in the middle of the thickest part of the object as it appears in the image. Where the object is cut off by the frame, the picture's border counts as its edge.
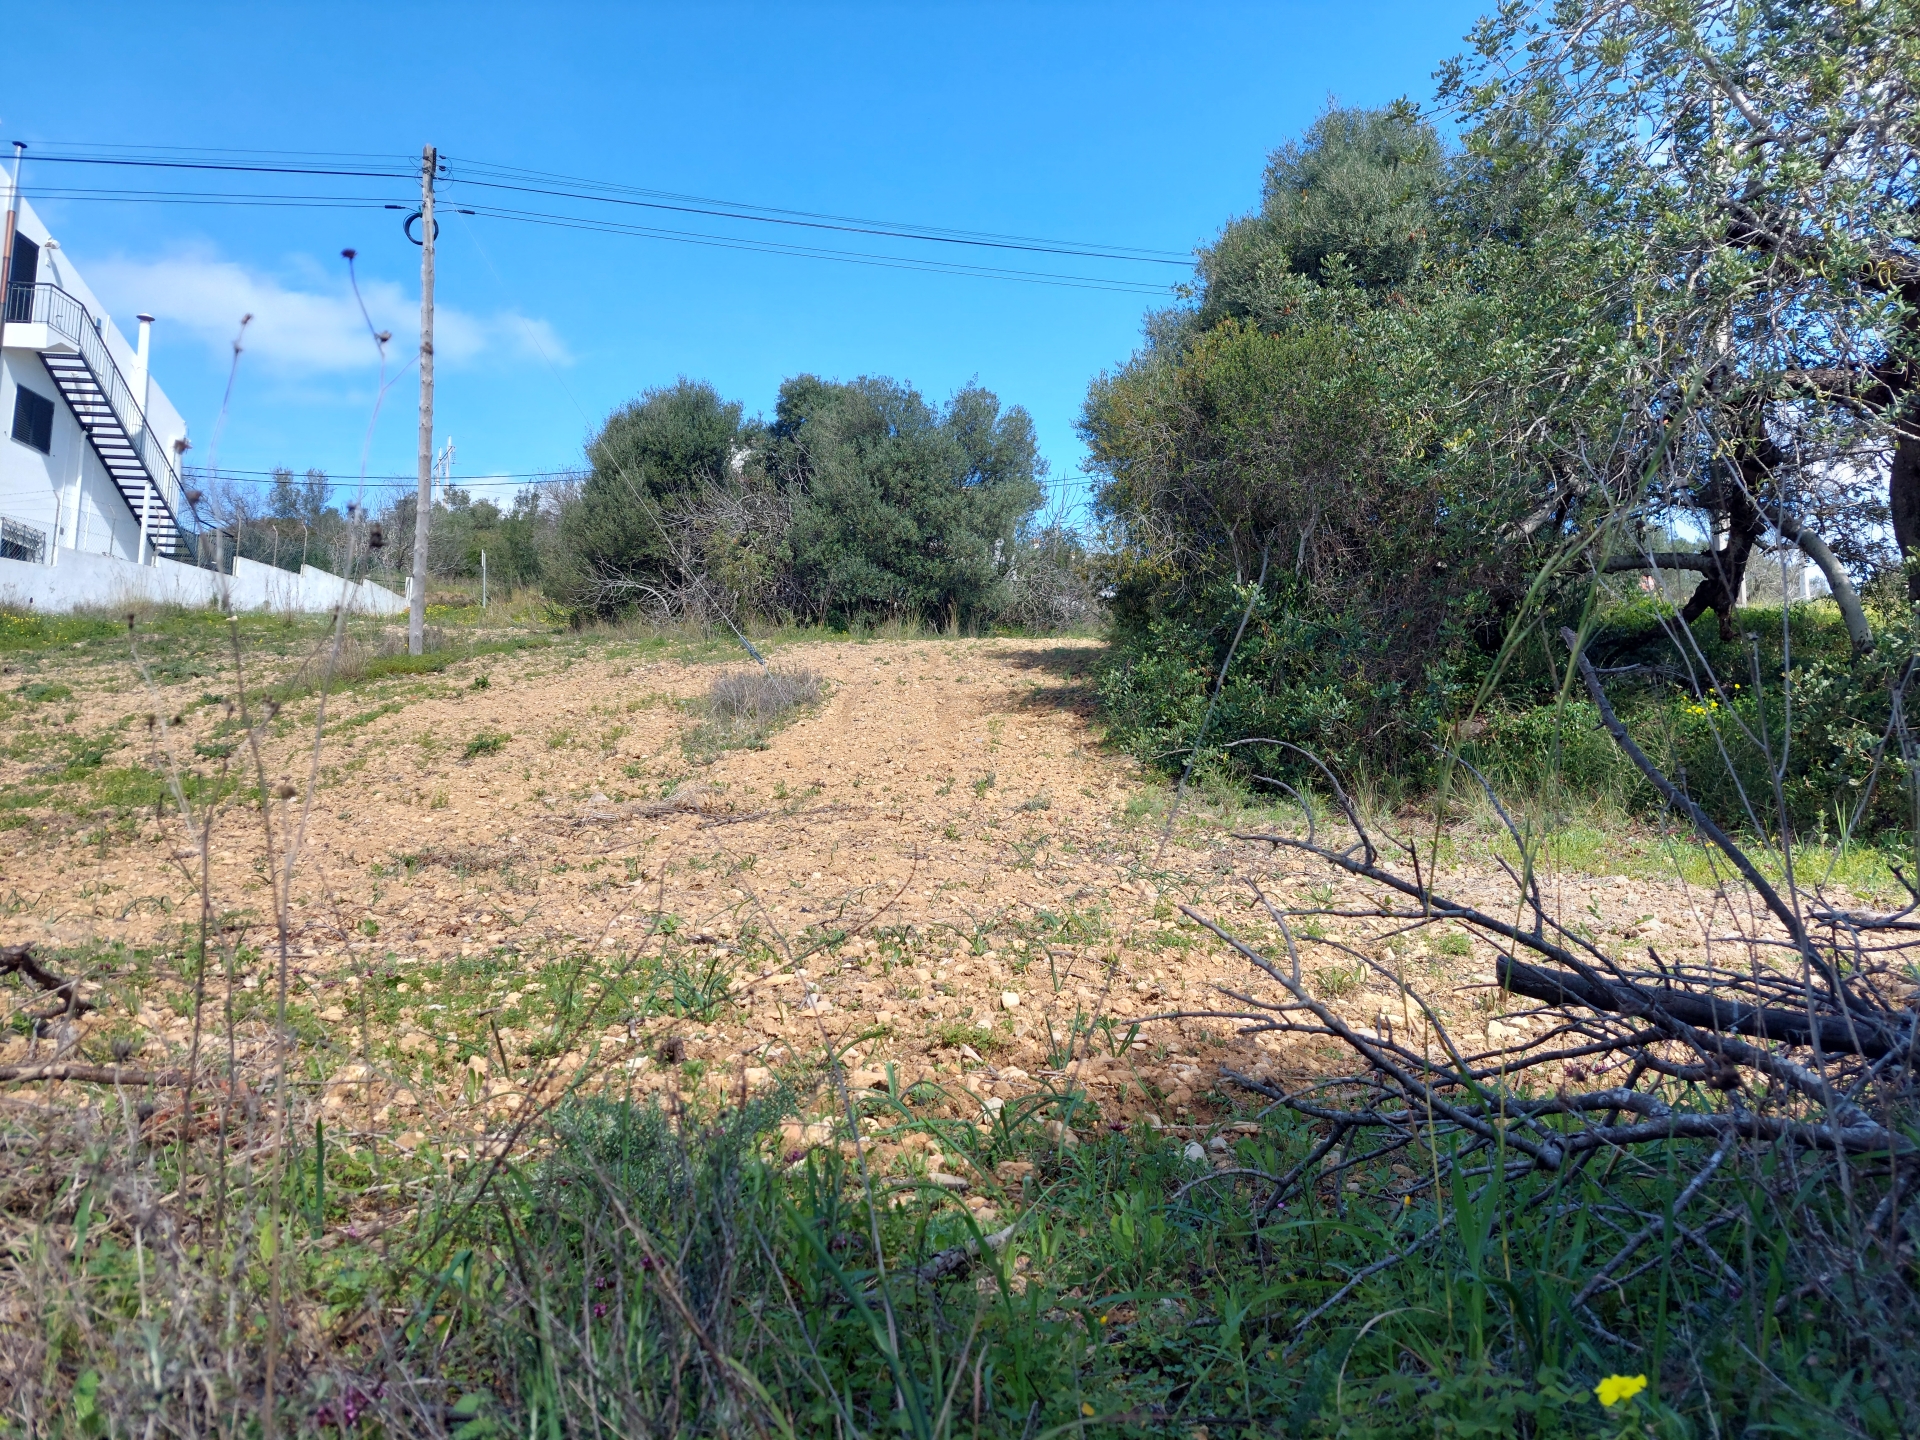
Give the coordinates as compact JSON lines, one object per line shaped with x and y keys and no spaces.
{"x":310,"y":325}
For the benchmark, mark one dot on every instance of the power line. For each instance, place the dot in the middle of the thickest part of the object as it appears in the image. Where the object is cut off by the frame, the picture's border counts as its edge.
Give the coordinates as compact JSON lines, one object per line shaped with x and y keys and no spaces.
{"x":811,"y":252}
{"x":482,"y":169}
{"x":512,"y":481}
{"x":603,"y":192}
{"x":929,"y":234}
{"x":347,"y":480}
{"x":593,"y":225}
{"x":212,"y":197}
{"x":481,"y":174}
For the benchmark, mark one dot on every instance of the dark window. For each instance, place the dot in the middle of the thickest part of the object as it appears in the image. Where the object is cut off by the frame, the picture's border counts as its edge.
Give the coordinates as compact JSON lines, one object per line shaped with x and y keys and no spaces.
{"x":33,"y":419}
{"x":26,"y":261}
{"x":21,"y":278}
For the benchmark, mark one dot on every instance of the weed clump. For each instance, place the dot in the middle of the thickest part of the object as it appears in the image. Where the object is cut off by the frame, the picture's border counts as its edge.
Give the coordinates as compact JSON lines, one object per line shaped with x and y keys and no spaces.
{"x":743,"y":708}
{"x":764,"y":696}
{"x":487,"y":742}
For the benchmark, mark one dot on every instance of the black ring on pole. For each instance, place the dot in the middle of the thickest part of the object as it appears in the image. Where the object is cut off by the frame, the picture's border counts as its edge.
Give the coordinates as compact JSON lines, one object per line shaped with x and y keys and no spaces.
{"x":406,"y":227}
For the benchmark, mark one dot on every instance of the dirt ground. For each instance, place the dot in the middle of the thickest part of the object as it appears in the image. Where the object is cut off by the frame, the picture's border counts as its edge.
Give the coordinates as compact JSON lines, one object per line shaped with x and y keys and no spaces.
{"x":938,"y":869}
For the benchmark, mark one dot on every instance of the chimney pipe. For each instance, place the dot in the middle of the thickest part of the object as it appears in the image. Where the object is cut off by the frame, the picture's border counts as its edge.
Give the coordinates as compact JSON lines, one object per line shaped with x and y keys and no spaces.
{"x":141,"y":352}
{"x":140,"y":371}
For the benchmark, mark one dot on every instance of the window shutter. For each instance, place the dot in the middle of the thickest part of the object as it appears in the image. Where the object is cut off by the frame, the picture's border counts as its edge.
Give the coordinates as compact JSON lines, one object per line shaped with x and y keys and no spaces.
{"x":33,"y":419}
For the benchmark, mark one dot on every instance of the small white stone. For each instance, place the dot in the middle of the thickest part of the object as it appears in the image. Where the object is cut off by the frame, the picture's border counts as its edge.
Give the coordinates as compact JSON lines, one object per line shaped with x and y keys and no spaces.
{"x":1010,"y":999}
{"x":1195,"y":1152}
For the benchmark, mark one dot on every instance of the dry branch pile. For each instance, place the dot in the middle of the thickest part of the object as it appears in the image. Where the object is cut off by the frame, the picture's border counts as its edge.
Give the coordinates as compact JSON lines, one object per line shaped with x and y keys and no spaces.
{"x":1797,"y":1030}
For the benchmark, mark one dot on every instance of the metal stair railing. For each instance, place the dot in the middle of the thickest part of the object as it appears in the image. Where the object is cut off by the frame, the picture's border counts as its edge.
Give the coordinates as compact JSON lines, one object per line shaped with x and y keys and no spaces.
{"x":66,"y":317}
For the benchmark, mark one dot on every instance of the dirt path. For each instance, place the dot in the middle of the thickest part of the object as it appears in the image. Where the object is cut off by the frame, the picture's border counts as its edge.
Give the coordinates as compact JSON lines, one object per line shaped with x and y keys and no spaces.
{"x":938,"y":869}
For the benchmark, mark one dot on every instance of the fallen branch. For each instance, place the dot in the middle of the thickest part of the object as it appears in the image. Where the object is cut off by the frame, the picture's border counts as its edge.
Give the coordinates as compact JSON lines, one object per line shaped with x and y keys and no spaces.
{"x":19,"y":958}
{"x":91,"y":1074}
{"x":1364,"y":1273}
{"x":1702,"y":822}
{"x":1654,"y":1226}
{"x":1834,"y":1035}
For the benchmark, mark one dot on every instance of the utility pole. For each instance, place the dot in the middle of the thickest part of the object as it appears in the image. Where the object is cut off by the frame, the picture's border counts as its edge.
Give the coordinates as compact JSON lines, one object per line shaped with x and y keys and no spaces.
{"x":417,"y":608}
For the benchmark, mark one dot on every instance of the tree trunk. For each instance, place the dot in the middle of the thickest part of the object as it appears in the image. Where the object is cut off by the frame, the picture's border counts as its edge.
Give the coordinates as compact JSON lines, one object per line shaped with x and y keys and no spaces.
{"x":1720,"y":590}
{"x":1903,"y":479}
{"x":1903,"y":499}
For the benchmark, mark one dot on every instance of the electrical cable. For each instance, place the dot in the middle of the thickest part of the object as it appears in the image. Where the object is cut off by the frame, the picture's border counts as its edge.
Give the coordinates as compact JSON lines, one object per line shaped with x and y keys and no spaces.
{"x":590,"y":225}
{"x":484,"y":168}
{"x":808,"y":252}
{"x":608,"y":193}
{"x":928,"y":234}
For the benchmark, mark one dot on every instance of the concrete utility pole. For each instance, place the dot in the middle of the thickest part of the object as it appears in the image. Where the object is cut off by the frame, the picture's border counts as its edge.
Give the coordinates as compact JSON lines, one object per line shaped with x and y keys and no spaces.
{"x":417,"y":607}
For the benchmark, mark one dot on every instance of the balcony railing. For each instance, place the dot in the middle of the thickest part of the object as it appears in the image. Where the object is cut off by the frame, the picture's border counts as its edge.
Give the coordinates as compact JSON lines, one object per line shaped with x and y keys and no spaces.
{"x":66,"y":317}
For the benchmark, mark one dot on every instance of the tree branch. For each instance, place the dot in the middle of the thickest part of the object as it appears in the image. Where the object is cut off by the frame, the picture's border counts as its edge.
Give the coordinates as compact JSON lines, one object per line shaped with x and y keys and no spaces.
{"x":1834,"y":1035}
{"x":1816,"y":550}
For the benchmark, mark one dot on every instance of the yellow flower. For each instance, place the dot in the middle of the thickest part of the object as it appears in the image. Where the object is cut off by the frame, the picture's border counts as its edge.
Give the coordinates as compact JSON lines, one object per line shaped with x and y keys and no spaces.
{"x":1616,"y":1388}
{"x":1085,"y":1408}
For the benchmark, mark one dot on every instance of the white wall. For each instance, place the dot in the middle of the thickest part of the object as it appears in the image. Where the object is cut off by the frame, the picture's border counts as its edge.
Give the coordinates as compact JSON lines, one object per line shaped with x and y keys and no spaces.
{"x":102,"y":582}
{"x":29,"y":481}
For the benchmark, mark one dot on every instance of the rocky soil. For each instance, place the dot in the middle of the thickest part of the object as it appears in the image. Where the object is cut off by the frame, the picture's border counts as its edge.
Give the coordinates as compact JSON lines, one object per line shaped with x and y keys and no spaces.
{"x":535,"y":870}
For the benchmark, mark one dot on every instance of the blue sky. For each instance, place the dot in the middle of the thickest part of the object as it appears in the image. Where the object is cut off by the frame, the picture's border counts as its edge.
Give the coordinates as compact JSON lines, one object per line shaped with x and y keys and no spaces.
{"x":1123,"y":125}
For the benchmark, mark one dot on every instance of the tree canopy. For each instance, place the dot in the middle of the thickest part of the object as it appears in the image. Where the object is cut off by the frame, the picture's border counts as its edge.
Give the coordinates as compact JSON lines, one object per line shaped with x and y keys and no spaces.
{"x":858,"y":499}
{"x":1662,"y":294}
{"x":651,"y":460}
{"x":903,"y":509}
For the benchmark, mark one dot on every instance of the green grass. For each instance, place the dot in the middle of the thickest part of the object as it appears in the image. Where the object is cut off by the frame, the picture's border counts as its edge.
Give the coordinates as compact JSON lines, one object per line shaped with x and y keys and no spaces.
{"x":357,"y":667}
{"x":1130,"y":1300}
{"x":486,"y":742}
{"x":25,"y":630}
{"x":1596,"y":837}
{"x":366,"y":717}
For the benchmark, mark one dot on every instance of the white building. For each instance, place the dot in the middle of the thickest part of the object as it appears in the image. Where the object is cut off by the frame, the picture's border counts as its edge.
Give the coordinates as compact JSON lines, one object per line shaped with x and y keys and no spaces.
{"x":91,"y":456}
{"x":92,"y":509}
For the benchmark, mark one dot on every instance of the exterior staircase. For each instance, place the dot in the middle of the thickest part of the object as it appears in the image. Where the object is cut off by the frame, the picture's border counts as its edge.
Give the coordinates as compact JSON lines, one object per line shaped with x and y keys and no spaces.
{"x":76,"y":356}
